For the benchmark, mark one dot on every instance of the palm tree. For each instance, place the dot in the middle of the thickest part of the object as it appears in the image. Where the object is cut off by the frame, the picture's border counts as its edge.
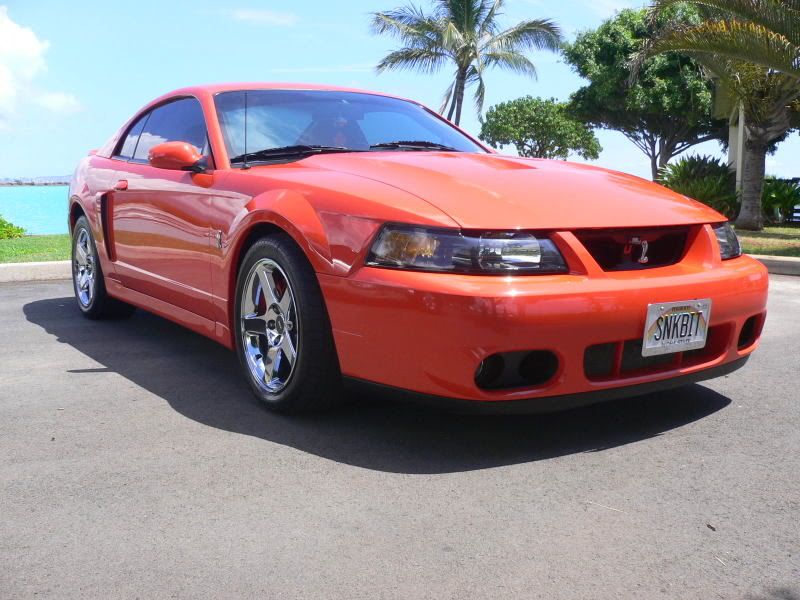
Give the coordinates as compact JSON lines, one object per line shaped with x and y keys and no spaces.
{"x":752,"y":49}
{"x":763,"y":32}
{"x":466,"y":34}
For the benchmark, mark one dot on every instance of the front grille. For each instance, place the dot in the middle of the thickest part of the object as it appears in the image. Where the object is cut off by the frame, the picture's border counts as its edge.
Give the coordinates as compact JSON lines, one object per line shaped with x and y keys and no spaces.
{"x":617,"y":360}
{"x":624,"y":249}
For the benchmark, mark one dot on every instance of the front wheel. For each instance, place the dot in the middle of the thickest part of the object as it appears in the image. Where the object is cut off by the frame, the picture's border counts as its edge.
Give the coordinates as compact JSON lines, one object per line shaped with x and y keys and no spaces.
{"x":283,"y":334}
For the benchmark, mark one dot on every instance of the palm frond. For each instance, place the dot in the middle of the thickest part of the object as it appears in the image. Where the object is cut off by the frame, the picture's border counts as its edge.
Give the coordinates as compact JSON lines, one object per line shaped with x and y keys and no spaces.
{"x":735,"y":40}
{"x":453,"y":37}
{"x":764,"y":94}
{"x":489,"y":22}
{"x":475,"y":76}
{"x":426,"y":60}
{"x":513,"y":61}
{"x":466,"y":15}
{"x":448,"y":96}
{"x":409,"y":24}
{"x":779,"y":16}
{"x":534,"y":34}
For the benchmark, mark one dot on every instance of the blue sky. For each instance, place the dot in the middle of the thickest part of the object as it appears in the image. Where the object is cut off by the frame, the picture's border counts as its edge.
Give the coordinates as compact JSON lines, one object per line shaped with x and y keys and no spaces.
{"x":72,"y":72}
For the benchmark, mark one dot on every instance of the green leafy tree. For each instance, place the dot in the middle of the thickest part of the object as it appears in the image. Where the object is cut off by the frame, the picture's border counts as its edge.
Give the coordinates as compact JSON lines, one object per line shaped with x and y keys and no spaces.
{"x":751,"y":48}
{"x":665,"y":111}
{"x":466,"y":35}
{"x":539,"y":128}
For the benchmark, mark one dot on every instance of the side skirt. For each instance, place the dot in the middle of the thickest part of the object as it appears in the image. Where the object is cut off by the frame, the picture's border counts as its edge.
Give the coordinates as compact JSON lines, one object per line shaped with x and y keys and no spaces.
{"x":207,"y":327}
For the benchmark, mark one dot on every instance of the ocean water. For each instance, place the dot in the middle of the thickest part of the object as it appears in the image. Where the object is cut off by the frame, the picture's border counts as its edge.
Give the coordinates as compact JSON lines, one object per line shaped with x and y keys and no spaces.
{"x":39,"y":209}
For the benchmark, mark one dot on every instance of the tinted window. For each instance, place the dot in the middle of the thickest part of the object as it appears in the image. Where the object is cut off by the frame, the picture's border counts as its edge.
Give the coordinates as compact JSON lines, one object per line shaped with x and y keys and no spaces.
{"x":178,"y":121}
{"x":268,"y":126}
{"x":129,"y":144}
{"x":382,"y":126}
{"x":277,"y":118}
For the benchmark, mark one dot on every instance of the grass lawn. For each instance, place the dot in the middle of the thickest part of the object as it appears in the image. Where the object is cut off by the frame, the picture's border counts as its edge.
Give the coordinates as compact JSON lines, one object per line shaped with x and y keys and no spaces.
{"x":32,"y":248}
{"x":778,"y":241}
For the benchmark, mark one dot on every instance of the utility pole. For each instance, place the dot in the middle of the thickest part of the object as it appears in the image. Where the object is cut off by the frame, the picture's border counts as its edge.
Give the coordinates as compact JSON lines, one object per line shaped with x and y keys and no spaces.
{"x":736,"y":141}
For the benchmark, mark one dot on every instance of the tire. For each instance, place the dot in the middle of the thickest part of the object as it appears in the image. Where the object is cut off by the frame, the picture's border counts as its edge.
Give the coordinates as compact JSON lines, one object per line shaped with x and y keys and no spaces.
{"x":283,"y":336}
{"x":88,"y":282}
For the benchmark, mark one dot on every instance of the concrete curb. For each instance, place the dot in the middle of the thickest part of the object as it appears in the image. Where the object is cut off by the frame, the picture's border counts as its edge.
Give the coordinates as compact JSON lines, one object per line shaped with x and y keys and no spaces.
{"x":35,"y":271}
{"x":780,"y":265}
{"x":44,"y":271}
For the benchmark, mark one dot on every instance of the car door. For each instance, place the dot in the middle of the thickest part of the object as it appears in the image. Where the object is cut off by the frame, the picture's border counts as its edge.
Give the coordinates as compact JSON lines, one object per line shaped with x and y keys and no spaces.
{"x":159,"y":217}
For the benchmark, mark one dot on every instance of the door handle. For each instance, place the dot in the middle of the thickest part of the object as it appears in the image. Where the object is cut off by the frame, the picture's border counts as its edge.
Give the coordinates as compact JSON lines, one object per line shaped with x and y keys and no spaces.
{"x":121,"y":185}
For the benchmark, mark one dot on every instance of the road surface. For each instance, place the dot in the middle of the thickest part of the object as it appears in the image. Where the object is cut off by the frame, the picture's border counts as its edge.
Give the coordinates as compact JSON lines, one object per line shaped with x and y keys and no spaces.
{"x":135,"y":463}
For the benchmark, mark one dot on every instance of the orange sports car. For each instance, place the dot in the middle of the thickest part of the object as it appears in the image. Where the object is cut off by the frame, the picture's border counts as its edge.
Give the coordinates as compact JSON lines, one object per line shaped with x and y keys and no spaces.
{"x":331,"y":235}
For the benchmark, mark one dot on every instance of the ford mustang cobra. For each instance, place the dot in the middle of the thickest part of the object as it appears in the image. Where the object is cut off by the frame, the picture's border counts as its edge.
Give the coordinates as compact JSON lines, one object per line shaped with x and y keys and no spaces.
{"x":329,"y":234}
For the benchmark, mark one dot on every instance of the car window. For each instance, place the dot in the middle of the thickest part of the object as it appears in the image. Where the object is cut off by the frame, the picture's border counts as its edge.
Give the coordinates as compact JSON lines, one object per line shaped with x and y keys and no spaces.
{"x":383,"y":126}
{"x":129,"y":143}
{"x":279,"y":118}
{"x":268,"y":126}
{"x":179,"y":121}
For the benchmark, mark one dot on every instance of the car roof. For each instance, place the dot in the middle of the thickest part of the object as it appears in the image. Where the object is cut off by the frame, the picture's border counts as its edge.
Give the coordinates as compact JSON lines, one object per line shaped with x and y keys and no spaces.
{"x":216,"y":88}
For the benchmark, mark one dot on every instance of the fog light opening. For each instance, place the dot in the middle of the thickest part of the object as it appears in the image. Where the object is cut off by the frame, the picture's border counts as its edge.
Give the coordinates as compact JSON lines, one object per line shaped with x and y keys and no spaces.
{"x":521,"y":369}
{"x":489,"y":371}
{"x":538,"y":367}
{"x":750,"y":332}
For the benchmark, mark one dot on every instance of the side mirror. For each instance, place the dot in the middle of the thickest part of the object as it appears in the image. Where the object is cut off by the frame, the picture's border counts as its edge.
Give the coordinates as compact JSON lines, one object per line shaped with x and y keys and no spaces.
{"x":177,"y":156}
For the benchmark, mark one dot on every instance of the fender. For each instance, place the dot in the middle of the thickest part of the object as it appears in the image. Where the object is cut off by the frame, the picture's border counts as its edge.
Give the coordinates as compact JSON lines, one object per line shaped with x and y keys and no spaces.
{"x":333,"y":242}
{"x":283,"y":210}
{"x":286,"y":210}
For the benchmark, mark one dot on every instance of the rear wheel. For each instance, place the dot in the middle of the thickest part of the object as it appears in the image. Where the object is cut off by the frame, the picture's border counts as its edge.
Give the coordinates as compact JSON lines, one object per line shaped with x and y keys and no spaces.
{"x":283,"y":336}
{"x":87,"y":277}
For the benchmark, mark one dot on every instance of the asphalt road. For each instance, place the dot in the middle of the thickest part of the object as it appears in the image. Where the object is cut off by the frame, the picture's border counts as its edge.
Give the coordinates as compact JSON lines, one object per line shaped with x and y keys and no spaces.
{"x":134,"y":463}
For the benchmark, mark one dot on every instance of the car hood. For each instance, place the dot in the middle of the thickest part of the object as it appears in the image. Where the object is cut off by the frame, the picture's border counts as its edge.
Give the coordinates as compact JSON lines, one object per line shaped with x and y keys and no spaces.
{"x":492,"y":191}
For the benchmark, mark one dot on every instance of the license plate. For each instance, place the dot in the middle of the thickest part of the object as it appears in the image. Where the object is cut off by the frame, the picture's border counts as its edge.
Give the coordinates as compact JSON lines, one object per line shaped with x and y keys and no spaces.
{"x":676,"y":326}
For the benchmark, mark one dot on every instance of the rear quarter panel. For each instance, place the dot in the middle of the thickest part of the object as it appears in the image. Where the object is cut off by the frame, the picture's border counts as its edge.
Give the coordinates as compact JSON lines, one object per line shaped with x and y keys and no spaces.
{"x":93,"y":177}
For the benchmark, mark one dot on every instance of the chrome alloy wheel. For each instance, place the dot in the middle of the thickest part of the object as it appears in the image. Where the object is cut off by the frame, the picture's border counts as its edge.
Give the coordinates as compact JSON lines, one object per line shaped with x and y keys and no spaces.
{"x":269,"y":326}
{"x":83,"y":268}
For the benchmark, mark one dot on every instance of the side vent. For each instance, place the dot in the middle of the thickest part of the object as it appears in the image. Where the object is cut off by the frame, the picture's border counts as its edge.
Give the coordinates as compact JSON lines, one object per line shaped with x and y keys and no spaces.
{"x":105,"y":223}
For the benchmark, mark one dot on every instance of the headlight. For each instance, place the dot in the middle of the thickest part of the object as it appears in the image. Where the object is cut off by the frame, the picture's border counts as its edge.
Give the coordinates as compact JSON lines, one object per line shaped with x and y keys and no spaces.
{"x":728,"y":242}
{"x":450,"y":250}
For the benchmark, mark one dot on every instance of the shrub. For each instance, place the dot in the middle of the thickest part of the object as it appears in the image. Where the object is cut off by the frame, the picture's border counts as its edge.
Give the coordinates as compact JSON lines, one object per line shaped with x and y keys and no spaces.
{"x":779,"y":198}
{"x":9,"y":230}
{"x":703,"y":178}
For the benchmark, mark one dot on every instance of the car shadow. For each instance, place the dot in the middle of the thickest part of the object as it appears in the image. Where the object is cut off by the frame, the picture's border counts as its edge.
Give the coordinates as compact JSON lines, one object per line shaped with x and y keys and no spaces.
{"x":201,"y":380}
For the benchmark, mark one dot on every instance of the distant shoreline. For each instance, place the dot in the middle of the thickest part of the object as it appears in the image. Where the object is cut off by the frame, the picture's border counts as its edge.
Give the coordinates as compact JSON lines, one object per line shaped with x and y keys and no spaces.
{"x":31,"y":183}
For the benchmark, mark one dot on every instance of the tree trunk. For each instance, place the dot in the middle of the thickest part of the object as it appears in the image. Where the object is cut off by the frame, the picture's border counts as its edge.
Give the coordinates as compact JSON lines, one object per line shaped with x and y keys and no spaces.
{"x":755,"y":158}
{"x":458,"y":93}
{"x":666,"y":151}
{"x":663,"y":159}
{"x":654,"y":166}
{"x":452,"y":105}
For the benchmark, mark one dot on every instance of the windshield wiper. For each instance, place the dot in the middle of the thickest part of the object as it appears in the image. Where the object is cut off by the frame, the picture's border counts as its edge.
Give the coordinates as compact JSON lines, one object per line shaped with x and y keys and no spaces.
{"x":289,"y":152}
{"x":412,"y":145}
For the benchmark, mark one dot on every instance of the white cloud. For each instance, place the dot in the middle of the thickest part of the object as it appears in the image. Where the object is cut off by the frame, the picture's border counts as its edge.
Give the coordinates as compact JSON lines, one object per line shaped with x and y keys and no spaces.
{"x":59,"y":102}
{"x":269,"y":17}
{"x":22,"y":59}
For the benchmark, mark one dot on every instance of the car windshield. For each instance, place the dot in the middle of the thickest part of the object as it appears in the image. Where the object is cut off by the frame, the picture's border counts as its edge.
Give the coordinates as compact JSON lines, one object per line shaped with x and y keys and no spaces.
{"x":269,"y":125}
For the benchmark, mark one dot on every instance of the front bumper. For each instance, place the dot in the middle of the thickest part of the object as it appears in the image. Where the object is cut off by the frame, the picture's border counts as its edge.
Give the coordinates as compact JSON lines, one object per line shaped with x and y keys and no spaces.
{"x":548,"y":403}
{"x":428,"y":332}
